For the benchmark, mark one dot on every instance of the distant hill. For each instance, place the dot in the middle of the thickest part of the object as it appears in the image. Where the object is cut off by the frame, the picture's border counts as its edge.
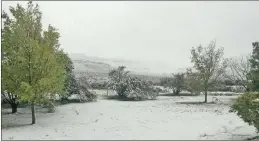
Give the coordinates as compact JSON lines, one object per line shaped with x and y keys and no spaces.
{"x":96,"y":68}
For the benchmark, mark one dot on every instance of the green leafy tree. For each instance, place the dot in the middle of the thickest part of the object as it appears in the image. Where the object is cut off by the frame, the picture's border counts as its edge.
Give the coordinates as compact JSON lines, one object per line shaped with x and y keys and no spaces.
{"x":33,"y":57}
{"x":208,"y":61}
{"x":254,"y":75}
{"x":10,"y":82}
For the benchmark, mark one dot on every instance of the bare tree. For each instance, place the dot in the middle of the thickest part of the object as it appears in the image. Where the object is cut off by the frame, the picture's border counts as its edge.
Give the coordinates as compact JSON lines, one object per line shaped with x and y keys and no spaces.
{"x":238,"y":70}
{"x":208,"y":61}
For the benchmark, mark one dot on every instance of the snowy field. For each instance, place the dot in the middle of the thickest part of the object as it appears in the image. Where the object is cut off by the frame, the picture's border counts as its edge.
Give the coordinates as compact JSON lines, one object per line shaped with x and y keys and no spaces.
{"x":164,"y":118}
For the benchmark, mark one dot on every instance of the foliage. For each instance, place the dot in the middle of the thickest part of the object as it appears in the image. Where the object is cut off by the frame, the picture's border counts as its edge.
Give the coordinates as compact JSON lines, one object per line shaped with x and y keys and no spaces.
{"x":254,"y":75}
{"x":228,"y":82}
{"x":208,"y":62}
{"x":167,"y":82}
{"x":10,"y":82}
{"x":71,"y":84}
{"x":176,"y":83}
{"x":141,"y":89}
{"x":130,"y":87}
{"x":192,"y":82}
{"x":85,"y":94}
{"x":119,"y":81}
{"x":247,"y":108}
{"x":32,"y":59}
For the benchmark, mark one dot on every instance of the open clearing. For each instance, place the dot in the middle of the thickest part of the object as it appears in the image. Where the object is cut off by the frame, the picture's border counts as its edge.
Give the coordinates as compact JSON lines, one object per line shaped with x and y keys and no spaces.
{"x":164,"y":118}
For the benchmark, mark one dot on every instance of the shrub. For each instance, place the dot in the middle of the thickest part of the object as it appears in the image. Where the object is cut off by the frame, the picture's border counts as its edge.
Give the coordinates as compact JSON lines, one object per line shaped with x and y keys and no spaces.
{"x":84,"y":93}
{"x":119,"y":81}
{"x":142,"y":90}
{"x":247,"y":108}
{"x":130,"y":87}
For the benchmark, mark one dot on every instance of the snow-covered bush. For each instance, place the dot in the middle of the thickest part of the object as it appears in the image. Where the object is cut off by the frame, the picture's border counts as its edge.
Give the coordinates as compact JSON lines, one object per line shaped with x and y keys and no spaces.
{"x":247,"y":108}
{"x":130,"y":87}
{"x":84,"y":93}
{"x":142,"y":90}
{"x":119,"y":81}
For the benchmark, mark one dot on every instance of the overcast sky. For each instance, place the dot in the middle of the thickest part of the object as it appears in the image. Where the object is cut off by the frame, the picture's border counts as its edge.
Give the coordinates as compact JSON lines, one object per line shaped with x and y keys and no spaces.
{"x":151,"y":30}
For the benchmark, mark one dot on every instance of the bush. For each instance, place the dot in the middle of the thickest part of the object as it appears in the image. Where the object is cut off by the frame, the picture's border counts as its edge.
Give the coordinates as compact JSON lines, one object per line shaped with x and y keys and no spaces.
{"x":142,"y":90}
{"x":119,"y":81}
{"x":130,"y":87}
{"x":84,"y":93}
{"x":247,"y":108}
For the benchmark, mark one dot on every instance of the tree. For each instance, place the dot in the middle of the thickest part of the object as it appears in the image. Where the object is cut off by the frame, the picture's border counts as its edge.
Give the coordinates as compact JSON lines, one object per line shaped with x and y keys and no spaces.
{"x":119,"y":80}
{"x":192,"y":82}
{"x":167,"y":82}
{"x":254,"y":75}
{"x":176,"y":83}
{"x":71,"y":85}
{"x":141,"y":89}
{"x":9,"y":82}
{"x":238,"y":71}
{"x":33,"y":58}
{"x":208,"y":61}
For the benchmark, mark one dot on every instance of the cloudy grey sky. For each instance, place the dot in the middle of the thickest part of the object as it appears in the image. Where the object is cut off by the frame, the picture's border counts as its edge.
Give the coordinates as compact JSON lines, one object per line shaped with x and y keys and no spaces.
{"x":152,"y":30}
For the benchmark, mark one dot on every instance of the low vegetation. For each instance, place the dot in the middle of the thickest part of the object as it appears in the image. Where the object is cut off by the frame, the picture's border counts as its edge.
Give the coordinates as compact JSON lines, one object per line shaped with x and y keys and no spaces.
{"x":176,"y":83}
{"x":247,"y":108}
{"x":247,"y":105}
{"x":130,"y":87}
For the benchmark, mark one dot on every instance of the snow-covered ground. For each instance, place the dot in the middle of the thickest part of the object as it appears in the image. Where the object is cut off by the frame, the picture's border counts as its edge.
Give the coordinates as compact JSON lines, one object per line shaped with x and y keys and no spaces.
{"x":164,"y":118}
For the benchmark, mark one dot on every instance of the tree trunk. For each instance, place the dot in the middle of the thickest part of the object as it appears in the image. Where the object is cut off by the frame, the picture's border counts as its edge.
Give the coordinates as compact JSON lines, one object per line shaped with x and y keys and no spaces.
{"x":33,"y":114}
{"x":205,"y":96}
{"x":107,"y":92}
{"x":14,"y":107}
{"x":206,"y":91}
